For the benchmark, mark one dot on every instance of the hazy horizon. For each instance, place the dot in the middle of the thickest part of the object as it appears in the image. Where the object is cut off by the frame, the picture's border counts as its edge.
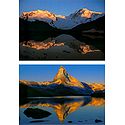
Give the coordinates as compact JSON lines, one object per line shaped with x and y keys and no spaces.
{"x":61,"y":7}
{"x":84,"y":73}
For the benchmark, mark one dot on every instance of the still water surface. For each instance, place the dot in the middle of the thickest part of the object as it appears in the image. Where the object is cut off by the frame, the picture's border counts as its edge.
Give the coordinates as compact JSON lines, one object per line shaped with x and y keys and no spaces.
{"x":63,"y":110}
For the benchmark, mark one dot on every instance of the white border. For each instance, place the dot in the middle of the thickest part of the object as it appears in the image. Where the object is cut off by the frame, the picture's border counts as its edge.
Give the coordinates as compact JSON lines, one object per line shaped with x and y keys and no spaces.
{"x":115,"y":65}
{"x":62,"y":62}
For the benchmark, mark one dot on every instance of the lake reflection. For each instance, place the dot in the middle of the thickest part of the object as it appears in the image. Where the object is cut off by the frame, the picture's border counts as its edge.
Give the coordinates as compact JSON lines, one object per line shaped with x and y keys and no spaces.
{"x":66,"y":110}
{"x":63,"y":46}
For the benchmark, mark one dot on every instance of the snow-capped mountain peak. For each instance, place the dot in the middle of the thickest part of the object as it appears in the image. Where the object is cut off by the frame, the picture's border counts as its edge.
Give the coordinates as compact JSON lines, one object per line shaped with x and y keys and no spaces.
{"x":85,"y":13}
{"x":41,"y":15}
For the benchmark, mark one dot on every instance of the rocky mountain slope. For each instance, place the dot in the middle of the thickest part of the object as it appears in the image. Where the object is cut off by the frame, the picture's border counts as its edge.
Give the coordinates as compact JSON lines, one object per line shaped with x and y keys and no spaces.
{"x":62,"y":77}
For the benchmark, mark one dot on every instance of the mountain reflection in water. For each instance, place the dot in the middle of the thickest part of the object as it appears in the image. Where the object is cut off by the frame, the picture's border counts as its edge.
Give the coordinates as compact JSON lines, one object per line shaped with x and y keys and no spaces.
{"x":61,"y":47}
{"x":63,"y":106}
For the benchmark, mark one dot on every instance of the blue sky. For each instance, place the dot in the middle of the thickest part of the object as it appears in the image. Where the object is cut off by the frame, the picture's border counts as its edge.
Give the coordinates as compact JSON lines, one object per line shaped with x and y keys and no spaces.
{"x":62,"y":7}
{"x":86,"y":73}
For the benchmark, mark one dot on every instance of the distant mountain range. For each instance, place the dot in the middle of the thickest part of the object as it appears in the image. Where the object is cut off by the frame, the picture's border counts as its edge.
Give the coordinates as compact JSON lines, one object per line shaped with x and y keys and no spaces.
{"x":39,"y":20}
{"x":63,"y":84}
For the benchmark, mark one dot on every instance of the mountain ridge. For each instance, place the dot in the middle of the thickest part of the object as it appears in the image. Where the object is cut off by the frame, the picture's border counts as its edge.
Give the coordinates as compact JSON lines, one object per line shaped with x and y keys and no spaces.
{"x":62,"y":85}
{"x":81,"y":16}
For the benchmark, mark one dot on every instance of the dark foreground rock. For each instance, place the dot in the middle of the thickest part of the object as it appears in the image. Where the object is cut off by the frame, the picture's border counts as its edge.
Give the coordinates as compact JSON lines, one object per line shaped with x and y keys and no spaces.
{"x":36,"y":113}
{"x":97,"y":121}
{"x":69,"y":121}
